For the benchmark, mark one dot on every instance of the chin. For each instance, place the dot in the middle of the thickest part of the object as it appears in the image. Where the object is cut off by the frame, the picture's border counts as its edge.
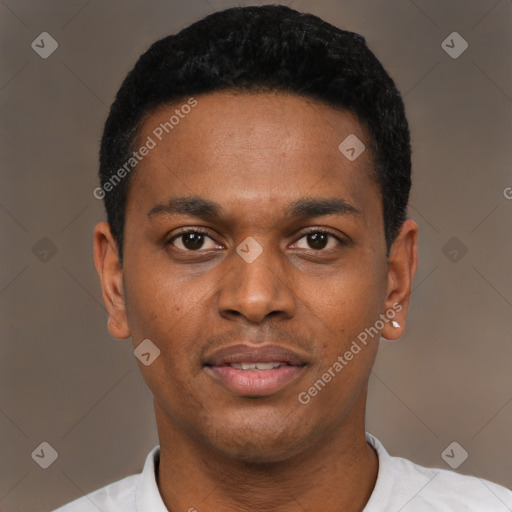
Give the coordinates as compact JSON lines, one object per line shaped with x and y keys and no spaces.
{"x":259,"y":454}
{"x":258,"y":443}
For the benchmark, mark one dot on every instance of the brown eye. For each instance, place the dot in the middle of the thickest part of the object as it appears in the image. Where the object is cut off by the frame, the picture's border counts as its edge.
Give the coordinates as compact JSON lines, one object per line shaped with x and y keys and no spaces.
{"x":319,"y":240}
{"x":192,"y":240}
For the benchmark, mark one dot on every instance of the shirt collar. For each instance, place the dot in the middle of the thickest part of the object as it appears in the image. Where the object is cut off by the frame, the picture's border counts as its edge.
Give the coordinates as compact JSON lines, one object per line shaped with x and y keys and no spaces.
{"x":383,"y":486}
{"x":148,"y":495}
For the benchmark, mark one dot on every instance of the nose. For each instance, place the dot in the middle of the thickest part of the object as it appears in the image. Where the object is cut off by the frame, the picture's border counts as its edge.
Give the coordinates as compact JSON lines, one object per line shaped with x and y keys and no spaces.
{"x":255,"y":290}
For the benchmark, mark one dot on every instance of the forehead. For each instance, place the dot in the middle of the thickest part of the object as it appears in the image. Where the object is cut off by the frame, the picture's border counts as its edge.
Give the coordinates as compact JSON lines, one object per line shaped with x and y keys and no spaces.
{"x":245,"y":148}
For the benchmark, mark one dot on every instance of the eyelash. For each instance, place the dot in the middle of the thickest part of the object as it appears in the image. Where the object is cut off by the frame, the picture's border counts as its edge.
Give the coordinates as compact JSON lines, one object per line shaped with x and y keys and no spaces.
{"x":205,"y":232}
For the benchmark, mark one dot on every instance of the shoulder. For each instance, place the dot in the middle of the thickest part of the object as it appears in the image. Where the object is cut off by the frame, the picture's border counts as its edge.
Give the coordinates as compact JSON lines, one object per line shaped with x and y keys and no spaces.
{"x":132,"y":493}
{"x":118,"y":496}
{"x":414,"y":488}
{"x":443,"y":490}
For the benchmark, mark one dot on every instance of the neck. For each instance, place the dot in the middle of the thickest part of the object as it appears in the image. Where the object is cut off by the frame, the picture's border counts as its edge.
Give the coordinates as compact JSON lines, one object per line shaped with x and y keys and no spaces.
{"x":336,"y":472}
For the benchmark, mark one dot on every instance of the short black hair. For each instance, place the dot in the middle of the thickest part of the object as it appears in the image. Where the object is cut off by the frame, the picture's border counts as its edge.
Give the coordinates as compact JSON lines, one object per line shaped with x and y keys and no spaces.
{"x":270,"y":48}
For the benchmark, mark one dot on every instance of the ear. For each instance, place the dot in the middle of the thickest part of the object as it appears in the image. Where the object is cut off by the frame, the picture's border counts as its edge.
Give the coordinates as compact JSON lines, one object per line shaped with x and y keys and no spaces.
{"x":402,"y":265}
{"x":108,"y":266}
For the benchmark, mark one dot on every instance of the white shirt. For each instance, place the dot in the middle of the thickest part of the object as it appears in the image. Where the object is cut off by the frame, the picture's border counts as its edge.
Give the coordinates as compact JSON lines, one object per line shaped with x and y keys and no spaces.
{"x":401,"y":486}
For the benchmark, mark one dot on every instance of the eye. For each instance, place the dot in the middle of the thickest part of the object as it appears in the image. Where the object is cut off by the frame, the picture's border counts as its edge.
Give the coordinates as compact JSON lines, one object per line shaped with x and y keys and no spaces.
{"x":319,"y":239}
{"x":192,"y":240}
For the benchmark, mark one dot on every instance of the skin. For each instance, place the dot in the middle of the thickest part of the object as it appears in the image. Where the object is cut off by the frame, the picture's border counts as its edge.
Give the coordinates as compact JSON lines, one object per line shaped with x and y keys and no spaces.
{"x":252,"y":154}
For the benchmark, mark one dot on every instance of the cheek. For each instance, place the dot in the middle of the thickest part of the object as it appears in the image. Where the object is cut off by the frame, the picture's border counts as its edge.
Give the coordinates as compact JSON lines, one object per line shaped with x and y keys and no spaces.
{"x":156,"y":299}
{"x":349,"y":299}
{"x":345,"y":306}
{"x":162,"y":310}
{"x":170,"y":311}
{"x":344,"y":310}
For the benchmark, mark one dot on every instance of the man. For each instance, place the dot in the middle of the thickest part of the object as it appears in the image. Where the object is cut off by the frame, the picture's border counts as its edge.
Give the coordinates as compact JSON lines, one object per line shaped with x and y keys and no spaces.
{"x":255,"y":170}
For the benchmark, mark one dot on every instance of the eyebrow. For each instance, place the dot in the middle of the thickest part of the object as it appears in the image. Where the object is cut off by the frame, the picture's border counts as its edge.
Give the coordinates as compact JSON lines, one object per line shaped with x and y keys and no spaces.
{"x":209,"y":210}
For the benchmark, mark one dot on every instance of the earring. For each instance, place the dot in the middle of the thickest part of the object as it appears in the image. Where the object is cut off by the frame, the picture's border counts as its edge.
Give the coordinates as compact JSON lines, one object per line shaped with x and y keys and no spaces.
{"x":395,"y":324}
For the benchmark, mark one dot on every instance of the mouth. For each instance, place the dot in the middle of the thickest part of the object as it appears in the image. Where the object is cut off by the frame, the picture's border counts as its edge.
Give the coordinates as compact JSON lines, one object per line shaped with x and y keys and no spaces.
{"x":254,"y":371}
{"x":257,"y":366}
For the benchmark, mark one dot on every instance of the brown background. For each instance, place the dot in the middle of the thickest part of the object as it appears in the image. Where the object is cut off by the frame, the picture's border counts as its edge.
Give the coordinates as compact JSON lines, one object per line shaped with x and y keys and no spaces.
{"x":64,"y":380}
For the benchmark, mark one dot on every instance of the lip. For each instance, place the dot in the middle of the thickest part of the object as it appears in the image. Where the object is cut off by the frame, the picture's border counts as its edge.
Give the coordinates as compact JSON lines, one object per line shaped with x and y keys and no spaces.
{"x":243,"y":353}
{"x":254,"y":382}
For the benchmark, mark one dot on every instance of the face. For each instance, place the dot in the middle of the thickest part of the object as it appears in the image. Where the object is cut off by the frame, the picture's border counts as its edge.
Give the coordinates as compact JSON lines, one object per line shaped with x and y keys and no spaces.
{"x":247,"y":228}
